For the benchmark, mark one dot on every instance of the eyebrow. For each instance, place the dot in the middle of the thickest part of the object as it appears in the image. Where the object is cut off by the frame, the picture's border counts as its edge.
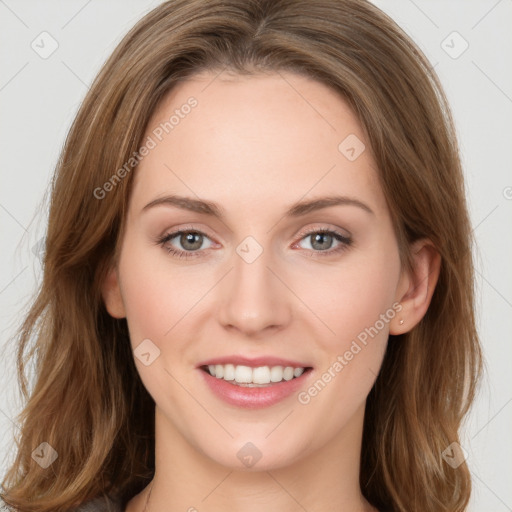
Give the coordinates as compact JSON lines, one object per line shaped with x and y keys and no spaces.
{"x":296,"y":210}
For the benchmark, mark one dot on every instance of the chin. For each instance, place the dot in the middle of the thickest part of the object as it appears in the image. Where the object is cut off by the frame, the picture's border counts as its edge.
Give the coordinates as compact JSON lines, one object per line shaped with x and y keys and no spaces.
{"x":255,"y":453}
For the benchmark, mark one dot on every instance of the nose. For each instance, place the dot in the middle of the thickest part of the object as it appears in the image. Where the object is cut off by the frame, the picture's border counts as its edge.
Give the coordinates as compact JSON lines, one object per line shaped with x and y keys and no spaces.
{"x":252,"y":299}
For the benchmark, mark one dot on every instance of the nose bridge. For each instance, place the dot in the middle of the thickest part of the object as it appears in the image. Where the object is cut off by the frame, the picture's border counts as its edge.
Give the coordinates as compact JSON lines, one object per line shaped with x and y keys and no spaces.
{"x":253,"y":298}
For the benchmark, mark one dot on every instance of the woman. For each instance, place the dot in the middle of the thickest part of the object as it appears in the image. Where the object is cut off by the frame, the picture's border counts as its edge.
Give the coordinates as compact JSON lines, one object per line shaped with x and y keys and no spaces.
{"x":258,"y":282}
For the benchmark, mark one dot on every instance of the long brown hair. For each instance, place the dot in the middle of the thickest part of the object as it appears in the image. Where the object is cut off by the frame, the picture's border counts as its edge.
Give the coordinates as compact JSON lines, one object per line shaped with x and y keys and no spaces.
{"x":88,"y":401}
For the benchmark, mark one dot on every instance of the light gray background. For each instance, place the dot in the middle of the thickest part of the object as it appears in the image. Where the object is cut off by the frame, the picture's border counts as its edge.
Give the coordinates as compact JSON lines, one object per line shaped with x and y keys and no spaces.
{"x":39,"y":98}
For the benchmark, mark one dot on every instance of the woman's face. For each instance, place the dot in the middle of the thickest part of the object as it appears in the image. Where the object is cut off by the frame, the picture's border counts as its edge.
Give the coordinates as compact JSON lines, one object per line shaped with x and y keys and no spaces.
{"x":267,"y":274}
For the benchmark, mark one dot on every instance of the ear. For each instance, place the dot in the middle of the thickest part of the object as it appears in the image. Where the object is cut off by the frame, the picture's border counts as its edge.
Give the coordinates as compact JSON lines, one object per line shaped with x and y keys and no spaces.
{"x":111,"y":293}
{"x":416,"y":286}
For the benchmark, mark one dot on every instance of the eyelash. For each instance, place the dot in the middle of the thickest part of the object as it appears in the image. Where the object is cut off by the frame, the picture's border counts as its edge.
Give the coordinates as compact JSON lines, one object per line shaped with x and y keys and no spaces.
{"x":345,"y":243}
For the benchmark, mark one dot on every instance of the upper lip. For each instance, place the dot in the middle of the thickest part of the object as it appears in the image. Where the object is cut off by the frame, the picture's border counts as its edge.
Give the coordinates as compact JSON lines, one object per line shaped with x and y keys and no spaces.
{"x":253,"y":362}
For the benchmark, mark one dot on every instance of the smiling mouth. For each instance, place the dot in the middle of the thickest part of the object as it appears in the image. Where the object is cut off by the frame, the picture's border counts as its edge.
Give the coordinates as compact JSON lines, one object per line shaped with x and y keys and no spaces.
{"x":247,"y":376}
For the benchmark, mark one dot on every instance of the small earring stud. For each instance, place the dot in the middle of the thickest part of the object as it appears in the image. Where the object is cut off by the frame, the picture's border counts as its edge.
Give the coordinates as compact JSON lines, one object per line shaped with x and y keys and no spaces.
{"x":401,"y":322}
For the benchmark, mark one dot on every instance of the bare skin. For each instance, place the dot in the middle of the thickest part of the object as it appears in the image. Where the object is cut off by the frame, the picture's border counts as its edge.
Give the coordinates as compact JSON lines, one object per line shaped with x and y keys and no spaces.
{"x":255,"y":146}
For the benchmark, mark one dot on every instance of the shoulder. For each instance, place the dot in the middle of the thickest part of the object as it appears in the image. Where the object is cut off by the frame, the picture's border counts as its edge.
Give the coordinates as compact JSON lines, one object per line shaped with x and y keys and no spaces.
{"x":102,"y":504}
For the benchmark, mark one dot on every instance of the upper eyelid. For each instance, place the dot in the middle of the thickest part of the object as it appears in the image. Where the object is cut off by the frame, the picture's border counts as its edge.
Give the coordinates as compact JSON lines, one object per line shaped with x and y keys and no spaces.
{"x":312,"y":230}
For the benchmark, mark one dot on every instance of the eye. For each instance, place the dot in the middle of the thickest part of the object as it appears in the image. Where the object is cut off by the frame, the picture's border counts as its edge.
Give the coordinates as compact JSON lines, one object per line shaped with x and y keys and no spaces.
{"x":321,"y":242}
{"x":191,"y":242}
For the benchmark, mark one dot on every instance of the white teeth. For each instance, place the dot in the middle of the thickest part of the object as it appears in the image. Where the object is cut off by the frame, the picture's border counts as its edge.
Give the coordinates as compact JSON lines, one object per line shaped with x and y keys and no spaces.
{"x":297,"y":372}
{"x":243,"y":374}
{"x":229,"y":372}
{"x":288,"y":373}
{"x":276,"y":374}
{"x":260,"y":375}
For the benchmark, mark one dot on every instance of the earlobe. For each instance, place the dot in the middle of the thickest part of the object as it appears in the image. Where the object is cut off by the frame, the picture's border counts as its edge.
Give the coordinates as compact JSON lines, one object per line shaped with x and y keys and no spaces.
{"x":111,"y":293}
{"x":417,"y":286}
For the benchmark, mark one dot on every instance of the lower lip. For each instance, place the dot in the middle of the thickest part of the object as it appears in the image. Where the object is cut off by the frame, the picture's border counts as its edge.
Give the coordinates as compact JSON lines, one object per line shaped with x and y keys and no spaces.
{"x":254,"y":398}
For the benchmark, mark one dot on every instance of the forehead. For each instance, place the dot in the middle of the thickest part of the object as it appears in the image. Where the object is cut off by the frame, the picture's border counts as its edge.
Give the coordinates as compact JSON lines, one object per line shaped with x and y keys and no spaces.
{"x":251,"y":138}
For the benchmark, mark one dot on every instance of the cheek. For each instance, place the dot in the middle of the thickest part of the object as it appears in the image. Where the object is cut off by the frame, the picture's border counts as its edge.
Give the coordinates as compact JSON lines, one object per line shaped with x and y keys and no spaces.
{"x":357,"y":303}
{"x":352,"y":297}
{"x":156,"y":295}
{"x":159,"y":301}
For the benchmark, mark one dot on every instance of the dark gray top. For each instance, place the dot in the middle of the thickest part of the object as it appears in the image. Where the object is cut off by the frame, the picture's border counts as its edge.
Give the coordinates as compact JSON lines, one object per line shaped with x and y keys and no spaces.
{"x":102,"y":504}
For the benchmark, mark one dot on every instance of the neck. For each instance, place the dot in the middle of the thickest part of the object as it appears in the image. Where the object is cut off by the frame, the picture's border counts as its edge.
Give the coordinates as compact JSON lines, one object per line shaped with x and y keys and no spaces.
{"x":187,"y":480}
